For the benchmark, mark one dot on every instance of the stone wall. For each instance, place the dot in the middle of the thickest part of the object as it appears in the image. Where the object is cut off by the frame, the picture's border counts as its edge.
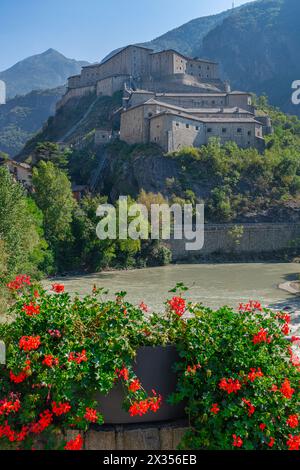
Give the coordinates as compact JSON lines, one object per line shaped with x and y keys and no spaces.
{"x":256,"y":238}
{"x":75,"y":93}
{"x":130,"y":437}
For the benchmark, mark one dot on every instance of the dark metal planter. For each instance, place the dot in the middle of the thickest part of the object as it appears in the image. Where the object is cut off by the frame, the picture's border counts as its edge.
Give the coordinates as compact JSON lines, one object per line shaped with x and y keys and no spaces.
{"x":154,"y":368}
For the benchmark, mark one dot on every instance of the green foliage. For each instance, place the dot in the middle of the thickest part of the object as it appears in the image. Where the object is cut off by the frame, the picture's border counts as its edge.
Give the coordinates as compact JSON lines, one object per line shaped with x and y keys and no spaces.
{"x":240,"y":181}
{"x":236,"y":372}
{"x":53,"y":195}
{"x":250,"y":348}
{"x":20,"y":228}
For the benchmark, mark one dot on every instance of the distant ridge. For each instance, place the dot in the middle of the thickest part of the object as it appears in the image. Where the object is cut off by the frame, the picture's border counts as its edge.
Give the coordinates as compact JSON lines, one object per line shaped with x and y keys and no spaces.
{"x":40,"y":72}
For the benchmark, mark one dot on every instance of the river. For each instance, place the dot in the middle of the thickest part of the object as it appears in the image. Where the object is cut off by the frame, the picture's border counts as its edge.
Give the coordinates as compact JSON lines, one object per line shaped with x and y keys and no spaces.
{"x":212,"y":284}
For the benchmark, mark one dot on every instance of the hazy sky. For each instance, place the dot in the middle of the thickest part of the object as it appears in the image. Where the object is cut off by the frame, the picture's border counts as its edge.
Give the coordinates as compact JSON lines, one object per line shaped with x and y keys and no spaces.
{"x":89,"y":29}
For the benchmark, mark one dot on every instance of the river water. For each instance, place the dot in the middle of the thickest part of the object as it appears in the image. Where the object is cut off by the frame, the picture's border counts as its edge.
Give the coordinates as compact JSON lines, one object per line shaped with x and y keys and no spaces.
{"x":212,"y":284}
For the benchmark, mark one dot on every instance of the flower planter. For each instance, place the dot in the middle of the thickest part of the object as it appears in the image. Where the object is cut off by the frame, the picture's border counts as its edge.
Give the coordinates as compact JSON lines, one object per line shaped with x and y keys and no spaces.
{"x":154,"y":368}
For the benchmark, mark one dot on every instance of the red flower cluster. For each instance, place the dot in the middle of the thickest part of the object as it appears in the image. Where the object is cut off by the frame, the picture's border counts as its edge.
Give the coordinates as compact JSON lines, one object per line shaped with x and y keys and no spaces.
{"x":31,"y":309}
{"x":254,"y":374}
{"x":142,"y":407}
{"x":251,"y":408}
{"x":215,"y":409}
{"x":58,"y":288}
{"x":191,"y":370}
{"x":261,"y":337}
{"x":294,"y":442}
{"x":177,"y":305}
{"x":19,"y":282}
{"x":284,"y":316}
{"x":230,"y":385}
{"x":271,"y":442}
{"x":50,"y":361}
{"x":286,"y":389}
{"x":134,"y":386}
{"x":43,"y":423}
{"x":30,"y":343}
{"x":78,"y":357}
{"x":262,"y":426}
{"x":123,"y":374}
{"x":17,"y":379}
{"x":12,"y":436}
{"x":144,"y":307}
{"x":60,"y":408}
{"x":75,"y":444}
{"x":237,"y":441}
{"x":249,"y":307}
{"x":293,"y":421}
{"x":285,"y":329}
{"x":7,"y":407}
{"x":91,"y":415}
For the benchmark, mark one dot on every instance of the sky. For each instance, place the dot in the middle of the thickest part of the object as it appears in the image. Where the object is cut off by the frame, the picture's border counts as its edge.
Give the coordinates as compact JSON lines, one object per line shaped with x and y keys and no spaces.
{"x":90,"y":29}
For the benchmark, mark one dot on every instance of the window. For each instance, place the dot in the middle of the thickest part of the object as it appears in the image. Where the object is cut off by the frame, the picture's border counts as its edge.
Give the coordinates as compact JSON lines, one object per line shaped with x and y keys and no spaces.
{"x":197,"y":128}
{"x":150,"y":115}
{"x":249,"y":132}
{"x":177,"y":124}
{"x":224,"y":130}
{"x":187,"y":126}
{"x":239,"y":130}
{"x":209,"y":129}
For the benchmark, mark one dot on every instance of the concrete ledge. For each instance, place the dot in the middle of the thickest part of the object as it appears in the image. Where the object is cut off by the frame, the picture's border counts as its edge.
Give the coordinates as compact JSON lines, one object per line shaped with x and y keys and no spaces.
{"x":160,"y":436}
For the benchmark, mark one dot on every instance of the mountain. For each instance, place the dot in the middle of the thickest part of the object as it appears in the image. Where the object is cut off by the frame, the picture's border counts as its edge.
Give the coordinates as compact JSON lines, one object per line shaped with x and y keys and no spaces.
{"x":23,"y":116}
{"x":258,"y":49}
{"x":188,"y":37}
{"x":40,"y":72}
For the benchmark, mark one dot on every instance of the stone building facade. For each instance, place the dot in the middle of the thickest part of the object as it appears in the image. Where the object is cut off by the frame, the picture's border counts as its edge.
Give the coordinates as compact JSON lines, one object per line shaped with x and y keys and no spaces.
{"x":173,"y":127}
{"x":171,"y":100}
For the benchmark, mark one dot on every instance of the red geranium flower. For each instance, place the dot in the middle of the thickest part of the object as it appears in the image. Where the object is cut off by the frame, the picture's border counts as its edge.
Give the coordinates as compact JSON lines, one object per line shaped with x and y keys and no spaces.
{"x":285,"y":329}
{"x":50,"y":361}
{"x":58,"y":288}
{"x":19,"y":282}
{"x":78,"y":357}
{"x":144,"y":307}
{"x":60,"y":408}
{"x":262,"y":426}
{"x":123,"y":373}
{"x":261,"y":337}
{"x":251,"y":408}
{"x":237,"y":441}
{"x":272,"y":442}
{"x":286,"y":389}
{"x":293,"y":421}
{"x":215,"y":409}
{"x":31,"y":309}
{"x":75,"y":444}
{"x":177,"y":305}
{"x":134,"y":386}
{"x":91,"y":415}
{"x":230,"y":385}
{"x":254,"y":374}
{"x":29,"y":343}
{"x":294,"y":442}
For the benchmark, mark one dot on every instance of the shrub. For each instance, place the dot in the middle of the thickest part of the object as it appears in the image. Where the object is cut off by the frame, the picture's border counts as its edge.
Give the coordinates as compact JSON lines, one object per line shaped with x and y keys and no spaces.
{"x":237,"y":370}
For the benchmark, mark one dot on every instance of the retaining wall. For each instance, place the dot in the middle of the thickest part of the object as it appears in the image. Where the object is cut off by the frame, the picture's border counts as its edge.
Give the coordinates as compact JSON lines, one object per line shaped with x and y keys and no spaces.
{"x":254,"y":239}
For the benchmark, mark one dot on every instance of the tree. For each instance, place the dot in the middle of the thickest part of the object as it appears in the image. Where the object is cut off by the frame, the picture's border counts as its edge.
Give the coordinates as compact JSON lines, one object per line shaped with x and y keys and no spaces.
{"x":53,"y":195}
{"x":51,"y":152}
{"x":20,"y":232}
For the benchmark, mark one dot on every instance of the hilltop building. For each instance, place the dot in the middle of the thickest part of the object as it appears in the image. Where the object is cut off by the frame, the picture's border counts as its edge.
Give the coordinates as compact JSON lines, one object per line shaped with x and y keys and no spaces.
{"x":171,"y":100}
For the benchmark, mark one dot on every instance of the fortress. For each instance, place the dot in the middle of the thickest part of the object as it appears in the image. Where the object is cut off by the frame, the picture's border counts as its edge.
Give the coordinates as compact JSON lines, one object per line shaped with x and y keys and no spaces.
{"x":171,"y":100}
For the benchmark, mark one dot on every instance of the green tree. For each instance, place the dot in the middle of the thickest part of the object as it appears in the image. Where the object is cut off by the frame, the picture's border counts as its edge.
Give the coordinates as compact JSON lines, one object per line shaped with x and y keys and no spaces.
{"x":51,"y":152}
{"x":20,"y":230}
{"x":53,"y":195}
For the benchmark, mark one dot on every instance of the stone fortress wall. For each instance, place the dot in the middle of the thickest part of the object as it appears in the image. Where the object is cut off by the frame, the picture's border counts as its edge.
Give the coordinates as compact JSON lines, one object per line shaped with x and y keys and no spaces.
{"x":256,"y":238}
{"x":184,"y":101}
